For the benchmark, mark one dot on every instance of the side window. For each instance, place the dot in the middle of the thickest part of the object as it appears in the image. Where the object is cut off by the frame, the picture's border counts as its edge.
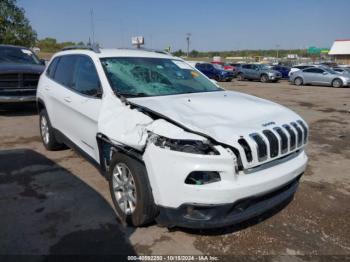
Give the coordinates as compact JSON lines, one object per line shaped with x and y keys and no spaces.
{"x":52,"y":68}
{"x":65,"y":70}
{"x":309,"y":70}
{"x":319,"y":71}
{"x":86,"y":80}
{"x":246,"y":66}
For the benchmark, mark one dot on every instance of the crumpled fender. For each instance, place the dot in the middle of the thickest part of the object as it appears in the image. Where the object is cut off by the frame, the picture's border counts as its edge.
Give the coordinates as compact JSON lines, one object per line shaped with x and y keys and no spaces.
{"x":130,"y":126}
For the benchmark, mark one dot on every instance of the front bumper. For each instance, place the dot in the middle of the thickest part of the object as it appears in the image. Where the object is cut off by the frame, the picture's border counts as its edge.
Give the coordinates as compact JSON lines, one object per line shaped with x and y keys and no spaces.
{"x":167,"y":171}
{"x":17,"y":99}
{"x":274,"y":77}
{"x":214,"y":216}
{"x":17,"y":95}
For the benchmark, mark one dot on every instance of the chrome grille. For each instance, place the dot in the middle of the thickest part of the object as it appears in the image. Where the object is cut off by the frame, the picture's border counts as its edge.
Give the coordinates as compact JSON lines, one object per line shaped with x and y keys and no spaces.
{"x":283,"y":139}
{"x":300,"y":133}
{"x":292,"y":137}
{"x":261,"y":146}
{"x":274,"y":143}
{"x":19,"y":80}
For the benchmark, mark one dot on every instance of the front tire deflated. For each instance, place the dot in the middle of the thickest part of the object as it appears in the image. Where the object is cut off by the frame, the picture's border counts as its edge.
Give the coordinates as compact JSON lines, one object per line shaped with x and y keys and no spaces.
{"x":130,"y":190}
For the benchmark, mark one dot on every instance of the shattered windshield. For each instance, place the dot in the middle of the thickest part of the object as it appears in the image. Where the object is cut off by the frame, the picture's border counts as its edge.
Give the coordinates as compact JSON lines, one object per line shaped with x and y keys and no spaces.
{"x":143,"y":76}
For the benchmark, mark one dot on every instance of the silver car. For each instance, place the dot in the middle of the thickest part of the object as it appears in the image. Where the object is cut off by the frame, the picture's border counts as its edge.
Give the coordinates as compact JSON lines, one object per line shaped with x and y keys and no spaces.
{"x":319,"y":76}
{"x":258,"y":72}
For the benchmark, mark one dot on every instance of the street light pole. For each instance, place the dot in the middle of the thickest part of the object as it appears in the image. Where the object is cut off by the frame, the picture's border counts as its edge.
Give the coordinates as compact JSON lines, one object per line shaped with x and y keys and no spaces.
{"x":188,"y":36}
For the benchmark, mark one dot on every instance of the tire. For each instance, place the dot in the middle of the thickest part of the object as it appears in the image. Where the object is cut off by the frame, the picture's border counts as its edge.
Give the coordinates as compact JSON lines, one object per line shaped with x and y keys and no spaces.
{"x":217,"y":78}
{"x":298,"y":81}
{"x":240,"y":77}
{"x":47,"y":133}
{"x":132,"y":213}
{"x":337,"y":83}
{"x":264,"y":78}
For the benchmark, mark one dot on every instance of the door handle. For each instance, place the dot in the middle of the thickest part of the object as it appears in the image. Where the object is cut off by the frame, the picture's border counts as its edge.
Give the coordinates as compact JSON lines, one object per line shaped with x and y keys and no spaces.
{"x":67,"y":99}
{"x":47,"y":88}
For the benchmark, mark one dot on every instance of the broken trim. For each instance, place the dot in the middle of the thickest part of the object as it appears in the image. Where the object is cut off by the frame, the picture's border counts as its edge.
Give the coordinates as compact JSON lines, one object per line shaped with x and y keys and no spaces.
{"x":121,"y":148}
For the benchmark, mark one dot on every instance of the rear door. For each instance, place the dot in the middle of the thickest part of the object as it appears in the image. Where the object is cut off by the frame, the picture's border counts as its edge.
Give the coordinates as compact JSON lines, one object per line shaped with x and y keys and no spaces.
{"x":60,"y":80}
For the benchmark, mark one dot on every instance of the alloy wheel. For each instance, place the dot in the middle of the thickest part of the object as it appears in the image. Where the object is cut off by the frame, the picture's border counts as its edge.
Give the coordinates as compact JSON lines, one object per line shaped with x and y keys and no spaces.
{"x":44,"y":125}
{"x":124,"y":188}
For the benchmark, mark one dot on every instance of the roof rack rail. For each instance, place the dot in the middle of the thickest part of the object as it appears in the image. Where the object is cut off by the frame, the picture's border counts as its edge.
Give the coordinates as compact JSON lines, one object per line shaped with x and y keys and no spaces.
{"x":93,"y":47}
{"x":147,"y":50}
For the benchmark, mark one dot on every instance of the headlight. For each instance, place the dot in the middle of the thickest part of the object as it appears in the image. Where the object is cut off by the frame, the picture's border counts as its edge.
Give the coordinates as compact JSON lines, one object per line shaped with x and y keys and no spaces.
{"x":186,"y":146}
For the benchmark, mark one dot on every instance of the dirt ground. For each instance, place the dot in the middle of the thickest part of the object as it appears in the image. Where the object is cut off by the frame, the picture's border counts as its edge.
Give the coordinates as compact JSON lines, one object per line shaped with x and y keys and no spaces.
{"x":57,"y":203}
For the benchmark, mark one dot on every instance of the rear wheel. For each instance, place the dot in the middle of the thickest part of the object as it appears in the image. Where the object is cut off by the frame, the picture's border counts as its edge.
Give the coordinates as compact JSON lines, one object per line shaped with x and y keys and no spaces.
{"x":47,"y":133}
{"x":298,"y":81}
{"x":130,"y":190}
{"x":337,"y":83}
{"x":264,"y":78}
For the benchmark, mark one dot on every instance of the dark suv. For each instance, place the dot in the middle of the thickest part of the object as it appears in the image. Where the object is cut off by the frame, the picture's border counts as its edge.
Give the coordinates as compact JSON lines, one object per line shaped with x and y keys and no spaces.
{"x":20,"y":70}
{"x":215,"y":71}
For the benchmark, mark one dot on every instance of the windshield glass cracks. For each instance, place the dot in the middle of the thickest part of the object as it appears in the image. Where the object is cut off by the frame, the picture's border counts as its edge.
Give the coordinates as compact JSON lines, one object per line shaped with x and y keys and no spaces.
{"x":141,"y":76}
{"x":18,"y":56}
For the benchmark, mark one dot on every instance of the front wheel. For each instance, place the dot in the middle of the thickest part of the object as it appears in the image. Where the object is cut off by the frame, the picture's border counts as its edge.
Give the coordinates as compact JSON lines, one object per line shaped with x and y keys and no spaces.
{"x":298,"y":81}
{"x":264,"y":78}
{"x":337,"y":83}
{"x":130,"y":190}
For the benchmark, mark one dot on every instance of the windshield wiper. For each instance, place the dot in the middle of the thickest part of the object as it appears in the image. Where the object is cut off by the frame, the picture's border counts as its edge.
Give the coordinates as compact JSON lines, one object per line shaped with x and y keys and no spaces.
{"x":140,"y":94}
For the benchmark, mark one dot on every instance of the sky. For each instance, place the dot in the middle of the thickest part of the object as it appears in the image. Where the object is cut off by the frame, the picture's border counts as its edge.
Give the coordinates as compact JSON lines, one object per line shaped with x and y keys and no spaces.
{"x":214,"y":25}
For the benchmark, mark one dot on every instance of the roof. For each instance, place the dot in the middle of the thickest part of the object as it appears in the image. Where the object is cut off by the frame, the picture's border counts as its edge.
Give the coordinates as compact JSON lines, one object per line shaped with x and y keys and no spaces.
{"x":340,"y":47}
{"x":117,"y":53}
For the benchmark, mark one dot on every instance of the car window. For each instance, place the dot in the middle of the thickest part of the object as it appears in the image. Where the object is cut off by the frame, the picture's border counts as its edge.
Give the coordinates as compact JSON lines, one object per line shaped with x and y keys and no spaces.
{"x":314,"y":70}
{"x":52,"y":68}
{"x":86,"y":80}
{"x":247,"y":66}
{"x":65,"y":70}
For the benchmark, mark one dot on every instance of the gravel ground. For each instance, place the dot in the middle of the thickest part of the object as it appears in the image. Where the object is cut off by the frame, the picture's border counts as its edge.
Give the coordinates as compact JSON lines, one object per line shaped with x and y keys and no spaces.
{"x":57,"y":203}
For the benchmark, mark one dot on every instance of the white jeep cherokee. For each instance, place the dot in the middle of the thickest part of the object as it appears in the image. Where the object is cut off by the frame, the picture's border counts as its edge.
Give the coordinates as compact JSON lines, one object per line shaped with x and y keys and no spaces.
{"x":173,"y":145}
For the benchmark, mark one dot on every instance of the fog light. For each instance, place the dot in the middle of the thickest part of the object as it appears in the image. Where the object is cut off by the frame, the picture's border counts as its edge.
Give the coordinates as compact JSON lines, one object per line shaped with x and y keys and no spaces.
{"x":202,"y":177}
{"x":197,"y":213}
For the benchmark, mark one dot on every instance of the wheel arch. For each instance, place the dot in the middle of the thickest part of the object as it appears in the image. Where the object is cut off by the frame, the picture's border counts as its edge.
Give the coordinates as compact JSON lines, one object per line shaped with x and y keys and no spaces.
{"x":40,"y":105}
{"x":107,"y":148}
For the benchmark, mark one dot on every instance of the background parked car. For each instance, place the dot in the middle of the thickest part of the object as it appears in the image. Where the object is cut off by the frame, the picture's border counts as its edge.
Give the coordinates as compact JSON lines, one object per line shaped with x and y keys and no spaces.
{"x":284,"y":70}
{"x":215,"y":71}
{"x":319,"y":76}
{"x":342,"y":70}
{"x":258,"y":72}
{"x":20,"y":70}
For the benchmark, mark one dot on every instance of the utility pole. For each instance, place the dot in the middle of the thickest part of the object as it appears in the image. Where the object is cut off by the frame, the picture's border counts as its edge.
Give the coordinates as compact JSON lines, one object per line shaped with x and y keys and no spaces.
{"x":188,"y":38}
{"x":277,"y":49}
{"x":92,"y":26}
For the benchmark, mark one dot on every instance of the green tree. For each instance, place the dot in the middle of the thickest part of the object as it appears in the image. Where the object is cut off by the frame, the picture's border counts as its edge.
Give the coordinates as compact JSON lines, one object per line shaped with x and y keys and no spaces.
{"x":14,"y":26}
{"x":178,"y":53}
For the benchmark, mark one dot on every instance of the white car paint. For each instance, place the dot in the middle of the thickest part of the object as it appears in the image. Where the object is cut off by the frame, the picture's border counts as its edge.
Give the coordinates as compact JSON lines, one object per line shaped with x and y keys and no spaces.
{"x":224,"y":116}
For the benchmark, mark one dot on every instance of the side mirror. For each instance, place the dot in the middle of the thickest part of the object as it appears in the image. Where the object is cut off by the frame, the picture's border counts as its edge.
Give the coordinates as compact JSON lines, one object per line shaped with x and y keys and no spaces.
{"x":325,"y":73}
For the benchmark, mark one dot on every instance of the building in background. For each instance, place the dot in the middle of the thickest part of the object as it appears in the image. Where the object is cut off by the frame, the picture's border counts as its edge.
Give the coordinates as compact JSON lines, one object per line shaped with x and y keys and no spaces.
{"x":340,"y":50}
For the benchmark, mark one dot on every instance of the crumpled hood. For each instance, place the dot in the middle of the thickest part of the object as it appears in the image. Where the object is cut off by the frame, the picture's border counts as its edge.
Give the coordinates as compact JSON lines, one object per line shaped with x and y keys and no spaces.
{"x":222,"y":115}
